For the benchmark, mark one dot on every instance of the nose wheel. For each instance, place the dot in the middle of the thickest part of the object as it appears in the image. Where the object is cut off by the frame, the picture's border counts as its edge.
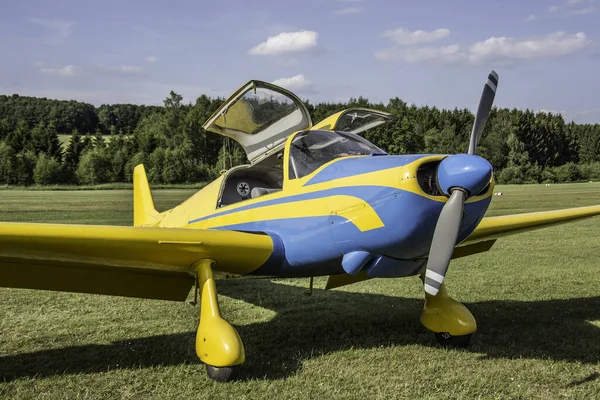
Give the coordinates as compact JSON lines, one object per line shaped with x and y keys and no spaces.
{"x":222,"y":374}
{"x":447,"y":340}
{"x":452,"y":323}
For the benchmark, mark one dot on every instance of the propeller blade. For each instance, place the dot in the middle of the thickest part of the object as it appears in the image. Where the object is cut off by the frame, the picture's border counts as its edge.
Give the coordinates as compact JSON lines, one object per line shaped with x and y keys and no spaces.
{"x":483,"y":111}
{"x":444,"y":240}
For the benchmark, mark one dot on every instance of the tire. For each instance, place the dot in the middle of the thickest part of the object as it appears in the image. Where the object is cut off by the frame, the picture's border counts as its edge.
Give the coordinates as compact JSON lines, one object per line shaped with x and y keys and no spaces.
{"x":222,"y":374}
{"x":447,"y":340}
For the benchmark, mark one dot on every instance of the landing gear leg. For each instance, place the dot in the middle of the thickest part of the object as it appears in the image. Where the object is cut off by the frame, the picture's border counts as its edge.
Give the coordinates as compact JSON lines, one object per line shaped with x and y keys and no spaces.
{"x":217,"y":342}
{"x":452,"y":323}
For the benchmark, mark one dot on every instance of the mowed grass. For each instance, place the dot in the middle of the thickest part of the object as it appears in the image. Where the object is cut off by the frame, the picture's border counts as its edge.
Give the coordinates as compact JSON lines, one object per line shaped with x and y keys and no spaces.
{"x":65,"y":137}
{"x":536,"y":297}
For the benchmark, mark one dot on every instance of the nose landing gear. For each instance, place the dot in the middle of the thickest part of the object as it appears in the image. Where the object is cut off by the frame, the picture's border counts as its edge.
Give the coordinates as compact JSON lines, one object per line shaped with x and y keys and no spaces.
{"x":452,"y":323}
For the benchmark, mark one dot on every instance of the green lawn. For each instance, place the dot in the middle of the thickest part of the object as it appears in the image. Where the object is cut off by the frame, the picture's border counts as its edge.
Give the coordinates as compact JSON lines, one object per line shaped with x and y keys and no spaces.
{"x":64,"y":139}
{"x":536,"y":297}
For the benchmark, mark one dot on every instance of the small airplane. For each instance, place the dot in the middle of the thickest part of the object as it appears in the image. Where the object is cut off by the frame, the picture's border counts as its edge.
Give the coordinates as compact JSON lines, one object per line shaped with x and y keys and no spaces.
{"x":315,"y":200}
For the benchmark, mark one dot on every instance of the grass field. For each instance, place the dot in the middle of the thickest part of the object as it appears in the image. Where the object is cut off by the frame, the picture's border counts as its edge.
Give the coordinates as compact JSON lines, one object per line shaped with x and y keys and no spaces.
{"x":65,"y":137}
{"x":536,"y":297}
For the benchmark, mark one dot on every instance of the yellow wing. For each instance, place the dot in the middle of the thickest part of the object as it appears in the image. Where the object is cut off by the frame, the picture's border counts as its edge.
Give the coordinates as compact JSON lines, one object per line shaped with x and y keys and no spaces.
{"x":124,"y":261}
{"x":495,"y":227}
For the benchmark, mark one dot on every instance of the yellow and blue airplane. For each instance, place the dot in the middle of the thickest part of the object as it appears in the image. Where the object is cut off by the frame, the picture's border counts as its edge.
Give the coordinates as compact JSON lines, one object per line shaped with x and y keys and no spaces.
{"x":315,"y":200}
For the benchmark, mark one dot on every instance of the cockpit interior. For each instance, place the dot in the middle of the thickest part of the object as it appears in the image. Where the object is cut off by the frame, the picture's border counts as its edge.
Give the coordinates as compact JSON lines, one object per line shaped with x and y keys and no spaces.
{"x":309,"y":150}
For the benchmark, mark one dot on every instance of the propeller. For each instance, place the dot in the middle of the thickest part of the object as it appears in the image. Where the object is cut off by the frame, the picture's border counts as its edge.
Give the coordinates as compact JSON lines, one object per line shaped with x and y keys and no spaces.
{"x":459,"y":177}
{"x":483,"y":110}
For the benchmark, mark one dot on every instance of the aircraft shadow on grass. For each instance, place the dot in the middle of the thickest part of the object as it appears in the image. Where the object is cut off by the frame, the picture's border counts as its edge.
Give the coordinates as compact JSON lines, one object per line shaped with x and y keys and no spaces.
{"x":311,"y":326}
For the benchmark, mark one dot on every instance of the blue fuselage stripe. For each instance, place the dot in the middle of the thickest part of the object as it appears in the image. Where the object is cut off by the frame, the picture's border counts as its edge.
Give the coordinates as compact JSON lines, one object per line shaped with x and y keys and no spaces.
{"x":342,"y":168}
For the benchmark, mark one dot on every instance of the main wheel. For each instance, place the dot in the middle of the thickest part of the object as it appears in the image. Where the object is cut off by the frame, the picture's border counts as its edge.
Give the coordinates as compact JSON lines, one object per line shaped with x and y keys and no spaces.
{"x":446,"y":339}
{"x":222,"y":374}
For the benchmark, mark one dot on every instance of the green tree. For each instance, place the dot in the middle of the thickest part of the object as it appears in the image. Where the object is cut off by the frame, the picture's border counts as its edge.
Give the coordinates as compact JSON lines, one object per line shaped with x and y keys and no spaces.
{"x":20,"y":138}
{"x":98,"y":140}
{"x":94,"y":167}
{"x":446,"y":141}
{"x":7,"y":164}
{"x":171,"y":122}
{"x":44,"y":139}
{"x":230,"y":155}
{"x":517,"y":154}
{"x":148,"y":134}
{"x":204,"y":146}
{"x":519,"y":169}
{"x":493,"y":144}
{"x":5,"y":128}
{"x":134,"y":161}
{"x":47,"y":170}
{"x":73,"y":151}
{"x":24,"y":165}
{"x":118,"y":150}
{"x":155,"y":165}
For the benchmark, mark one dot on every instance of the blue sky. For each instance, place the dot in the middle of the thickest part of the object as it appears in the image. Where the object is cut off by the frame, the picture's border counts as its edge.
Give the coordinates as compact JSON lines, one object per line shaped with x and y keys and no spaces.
{"x":432,"y":52}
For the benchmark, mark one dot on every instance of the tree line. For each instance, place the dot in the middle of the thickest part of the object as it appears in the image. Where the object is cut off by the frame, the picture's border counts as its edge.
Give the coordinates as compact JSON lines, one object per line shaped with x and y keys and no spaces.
{"x":106,"y":142}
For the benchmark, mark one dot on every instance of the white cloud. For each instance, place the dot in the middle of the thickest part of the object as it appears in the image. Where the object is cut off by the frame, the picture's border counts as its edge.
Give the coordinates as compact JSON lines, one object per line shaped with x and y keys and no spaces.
{"x":549,"y":111}
{"x":583,"y":11}
{"x":123,"y":70}
{"x":59,"y":30}
{"x":450,"y":54}
{"x":569,"y":8}
{"x":576,"y":2}
{"x":402,"y":36}
{"x":295,"y":83}
{"x":572,"y":113}
{"x":126,"y":69}
{"x":514,"y":49}
{"x":67,"y":71}
{"x":348,"y":10}
{"x":498,"y":50}
{"x":151,"y":59}
{"x":286,"y":42}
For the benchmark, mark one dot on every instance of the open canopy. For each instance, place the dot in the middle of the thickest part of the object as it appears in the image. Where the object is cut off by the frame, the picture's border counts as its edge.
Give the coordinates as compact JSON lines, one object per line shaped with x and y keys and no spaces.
{"x":260,"y":116}
{"x":355,"y":120}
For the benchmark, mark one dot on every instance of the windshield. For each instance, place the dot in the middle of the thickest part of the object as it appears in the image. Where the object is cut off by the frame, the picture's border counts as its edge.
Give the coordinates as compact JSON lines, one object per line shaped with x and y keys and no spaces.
{"x":309,"y":150}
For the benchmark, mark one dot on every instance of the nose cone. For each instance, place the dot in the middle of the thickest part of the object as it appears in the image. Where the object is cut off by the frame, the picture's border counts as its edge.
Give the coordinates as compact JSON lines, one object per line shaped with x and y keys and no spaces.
{"x":466,"y":171}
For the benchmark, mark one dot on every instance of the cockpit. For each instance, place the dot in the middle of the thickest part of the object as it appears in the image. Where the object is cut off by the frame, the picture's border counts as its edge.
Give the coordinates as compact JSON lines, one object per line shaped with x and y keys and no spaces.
{"x":311,"y":149}
{"x":262,"y":118}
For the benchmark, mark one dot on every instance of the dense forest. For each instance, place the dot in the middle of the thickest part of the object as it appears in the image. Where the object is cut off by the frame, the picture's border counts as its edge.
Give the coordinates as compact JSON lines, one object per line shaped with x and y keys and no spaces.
{"x":106,"y":142}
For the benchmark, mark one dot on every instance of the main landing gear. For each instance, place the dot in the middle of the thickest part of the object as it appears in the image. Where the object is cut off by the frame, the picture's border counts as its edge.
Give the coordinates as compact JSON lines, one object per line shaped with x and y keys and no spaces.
{"x":217,"y":342}
{"x":452,"y":323}
{"x":220,"y":347}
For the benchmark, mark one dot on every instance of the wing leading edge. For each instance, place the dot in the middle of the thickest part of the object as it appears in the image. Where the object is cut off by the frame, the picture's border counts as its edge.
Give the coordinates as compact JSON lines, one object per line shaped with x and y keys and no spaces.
{"x":123,"y":261}
{"x":492,"y":228}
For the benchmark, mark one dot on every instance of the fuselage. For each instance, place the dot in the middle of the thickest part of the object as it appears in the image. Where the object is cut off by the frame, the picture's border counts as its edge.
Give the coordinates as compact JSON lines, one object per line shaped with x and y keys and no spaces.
{"x":331,"y":201}
{"x":379,"y":205}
